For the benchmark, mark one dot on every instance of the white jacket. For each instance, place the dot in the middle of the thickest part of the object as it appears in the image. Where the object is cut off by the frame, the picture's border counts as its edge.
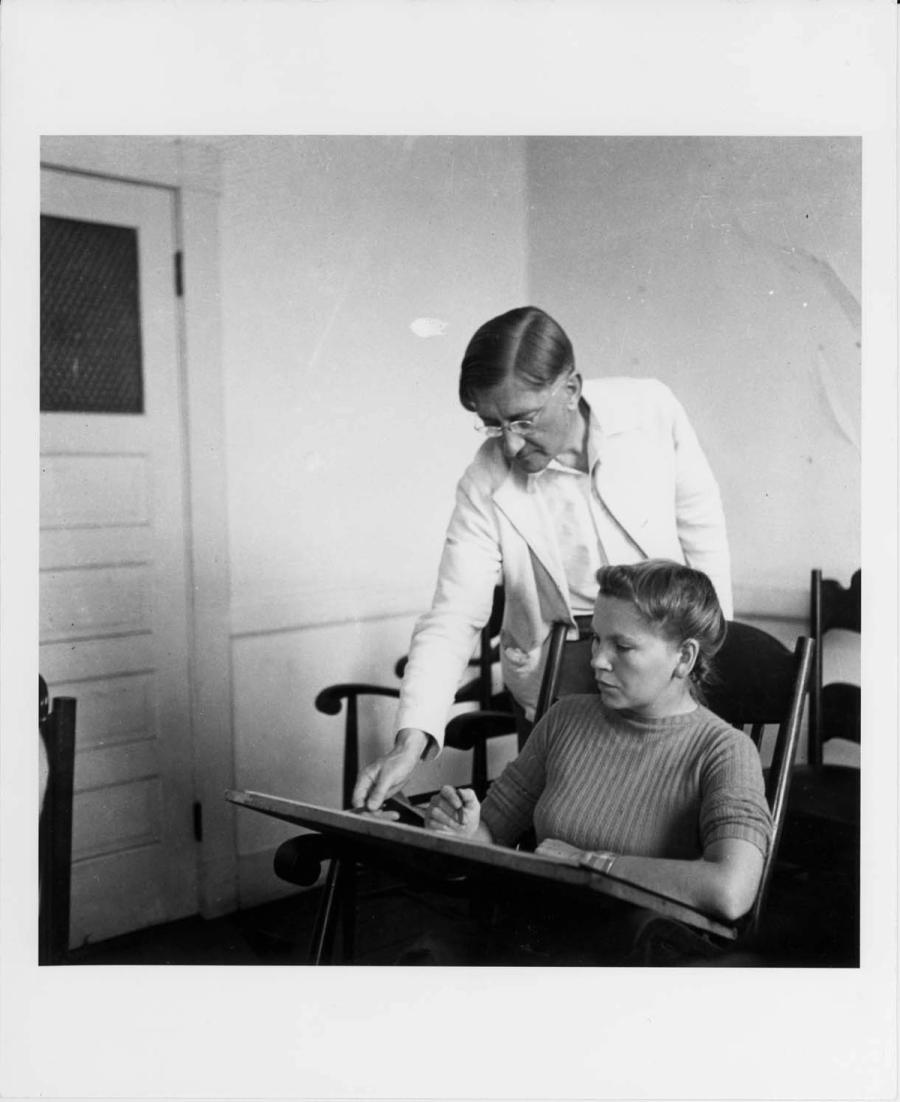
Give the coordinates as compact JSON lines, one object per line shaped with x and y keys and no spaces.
{"x":652,"y":476}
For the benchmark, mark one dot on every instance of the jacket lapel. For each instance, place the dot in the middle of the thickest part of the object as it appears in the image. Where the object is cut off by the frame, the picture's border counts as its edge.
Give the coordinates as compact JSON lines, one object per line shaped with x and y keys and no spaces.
{"x":615,"y":488}
{"x":522,"y":506}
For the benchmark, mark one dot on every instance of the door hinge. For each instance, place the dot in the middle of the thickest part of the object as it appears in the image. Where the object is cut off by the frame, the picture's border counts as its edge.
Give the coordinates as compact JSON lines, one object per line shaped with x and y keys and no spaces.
{"x":198,"y":821}
{"x":179,"y":273}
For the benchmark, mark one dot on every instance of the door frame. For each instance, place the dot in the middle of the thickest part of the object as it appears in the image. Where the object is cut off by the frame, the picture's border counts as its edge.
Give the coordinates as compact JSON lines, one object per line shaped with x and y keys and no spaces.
{"x":191,"y":168}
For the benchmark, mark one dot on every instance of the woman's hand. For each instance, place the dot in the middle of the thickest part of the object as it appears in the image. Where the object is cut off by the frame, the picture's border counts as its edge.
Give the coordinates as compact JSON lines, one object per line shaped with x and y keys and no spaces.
{"x":455,"y":812}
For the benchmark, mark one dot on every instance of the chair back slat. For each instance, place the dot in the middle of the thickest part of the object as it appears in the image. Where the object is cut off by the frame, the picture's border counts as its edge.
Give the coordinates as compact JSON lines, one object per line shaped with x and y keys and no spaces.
{"x":781,"y":771}
{"x":568,"y":667}
{"x":833,"y":711}
{"x":552,"y":670}
{"x":840,"y":711}
{"x":488,"y":651}
{"x":840,"y":606}
{"x":752,"y":677}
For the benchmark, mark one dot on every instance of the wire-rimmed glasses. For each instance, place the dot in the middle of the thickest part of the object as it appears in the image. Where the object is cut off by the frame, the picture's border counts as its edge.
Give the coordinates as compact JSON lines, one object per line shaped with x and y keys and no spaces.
{"x":523,"y":426}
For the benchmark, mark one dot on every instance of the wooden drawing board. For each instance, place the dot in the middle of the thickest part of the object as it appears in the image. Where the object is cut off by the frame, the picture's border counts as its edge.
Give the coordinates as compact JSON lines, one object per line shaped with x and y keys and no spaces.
{"x":475,"y":857}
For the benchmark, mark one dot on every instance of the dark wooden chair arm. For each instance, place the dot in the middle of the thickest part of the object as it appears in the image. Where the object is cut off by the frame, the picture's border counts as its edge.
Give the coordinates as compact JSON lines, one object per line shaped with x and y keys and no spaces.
{"x":43,"y":701}
{"x":57,"y":731}
{"x":471,"y":731}
{"x":466,"y":731}
{"x":661,"y":941}
{"x":299,"y":860}
{"x":494,"y":656}
{"x":472,"y":693}
{"x":330,"y":699}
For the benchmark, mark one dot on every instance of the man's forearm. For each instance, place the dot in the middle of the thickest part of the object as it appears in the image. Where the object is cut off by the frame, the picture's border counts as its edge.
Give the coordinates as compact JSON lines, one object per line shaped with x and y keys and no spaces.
{"x":416,"y":743}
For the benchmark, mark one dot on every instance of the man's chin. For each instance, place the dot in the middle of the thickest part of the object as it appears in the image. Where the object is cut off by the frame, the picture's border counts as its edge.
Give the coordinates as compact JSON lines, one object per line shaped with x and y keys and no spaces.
{"x":531,"y":463}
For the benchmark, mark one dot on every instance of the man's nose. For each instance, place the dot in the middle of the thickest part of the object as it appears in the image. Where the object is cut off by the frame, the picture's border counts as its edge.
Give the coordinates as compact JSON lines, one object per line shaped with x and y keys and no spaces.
{"x":512,"y":443}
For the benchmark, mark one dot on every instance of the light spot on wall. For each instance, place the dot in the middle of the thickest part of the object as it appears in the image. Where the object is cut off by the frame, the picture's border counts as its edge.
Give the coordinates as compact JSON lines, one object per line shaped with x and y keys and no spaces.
{"x":313,"y":461}
{"x":428,"y":327}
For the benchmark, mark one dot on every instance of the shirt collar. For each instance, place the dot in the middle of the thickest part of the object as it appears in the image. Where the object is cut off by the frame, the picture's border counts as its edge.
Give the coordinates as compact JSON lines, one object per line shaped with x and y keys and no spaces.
{"x":593,"y":454}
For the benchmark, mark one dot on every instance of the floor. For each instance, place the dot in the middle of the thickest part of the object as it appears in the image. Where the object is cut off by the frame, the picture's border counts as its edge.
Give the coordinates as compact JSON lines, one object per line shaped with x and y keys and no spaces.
{"x":279,"y":932}
{"x":811,"y":921}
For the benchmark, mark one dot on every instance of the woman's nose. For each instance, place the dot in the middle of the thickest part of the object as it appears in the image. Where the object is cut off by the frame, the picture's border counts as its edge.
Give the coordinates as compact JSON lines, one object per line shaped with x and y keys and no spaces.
{"x":599,"y":658}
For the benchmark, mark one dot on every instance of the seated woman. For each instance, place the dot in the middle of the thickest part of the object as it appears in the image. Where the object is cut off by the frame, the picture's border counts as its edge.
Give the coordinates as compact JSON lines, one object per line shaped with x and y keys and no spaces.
{"x":657,"y":788}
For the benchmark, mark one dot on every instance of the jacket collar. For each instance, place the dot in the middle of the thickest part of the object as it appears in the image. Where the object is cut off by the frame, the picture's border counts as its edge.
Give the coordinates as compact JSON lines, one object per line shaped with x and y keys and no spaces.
{"x":607,"y":418}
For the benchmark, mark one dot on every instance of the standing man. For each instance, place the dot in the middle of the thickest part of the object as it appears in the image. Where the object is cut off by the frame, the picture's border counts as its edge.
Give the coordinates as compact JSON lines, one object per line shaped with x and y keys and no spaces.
{"x":571,"y":477}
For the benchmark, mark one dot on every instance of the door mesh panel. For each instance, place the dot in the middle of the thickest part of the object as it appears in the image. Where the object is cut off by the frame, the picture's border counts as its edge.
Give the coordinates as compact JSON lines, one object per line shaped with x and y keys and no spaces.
{"x":90,"y":318}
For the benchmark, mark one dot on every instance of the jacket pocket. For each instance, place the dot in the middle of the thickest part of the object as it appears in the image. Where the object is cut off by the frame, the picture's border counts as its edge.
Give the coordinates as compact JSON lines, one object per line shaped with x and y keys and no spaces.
{"x":522,"y":673}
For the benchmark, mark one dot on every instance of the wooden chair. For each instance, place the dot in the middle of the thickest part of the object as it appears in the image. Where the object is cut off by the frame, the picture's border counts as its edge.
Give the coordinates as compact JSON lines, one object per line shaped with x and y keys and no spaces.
{"x":57,"y":731}
{"x":758,"y":683}
{"x":825,"y":792}
{"x":478,"y":690}
{"x":834,"y":709}
{"x":822,"y":841}
{"x":298,"y":861}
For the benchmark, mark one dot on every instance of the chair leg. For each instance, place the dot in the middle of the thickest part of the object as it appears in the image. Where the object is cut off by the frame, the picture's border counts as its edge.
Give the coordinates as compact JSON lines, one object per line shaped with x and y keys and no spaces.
{"x":323,"y":930}
{"x":347,"y":893}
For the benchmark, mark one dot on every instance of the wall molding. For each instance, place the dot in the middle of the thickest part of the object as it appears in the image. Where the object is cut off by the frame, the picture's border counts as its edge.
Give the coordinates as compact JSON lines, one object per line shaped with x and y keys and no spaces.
{"x":758,"y":602}
{"x":306,"y":608}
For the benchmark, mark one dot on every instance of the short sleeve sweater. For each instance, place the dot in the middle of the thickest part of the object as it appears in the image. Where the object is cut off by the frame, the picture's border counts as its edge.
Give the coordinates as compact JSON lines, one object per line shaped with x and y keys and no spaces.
{"x":609,"y":780}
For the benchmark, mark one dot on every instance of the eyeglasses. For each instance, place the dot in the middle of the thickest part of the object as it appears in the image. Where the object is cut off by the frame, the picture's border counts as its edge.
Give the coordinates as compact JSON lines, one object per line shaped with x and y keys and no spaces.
{"x":522,"y":427}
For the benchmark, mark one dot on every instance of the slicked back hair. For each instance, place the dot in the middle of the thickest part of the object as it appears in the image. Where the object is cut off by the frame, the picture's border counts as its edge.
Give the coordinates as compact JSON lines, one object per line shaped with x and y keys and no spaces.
{"x":525,"y":343}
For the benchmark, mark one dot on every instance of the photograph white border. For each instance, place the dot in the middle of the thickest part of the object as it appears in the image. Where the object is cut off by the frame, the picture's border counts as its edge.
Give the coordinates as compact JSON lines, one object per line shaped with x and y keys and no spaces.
{"x":427,"y":67}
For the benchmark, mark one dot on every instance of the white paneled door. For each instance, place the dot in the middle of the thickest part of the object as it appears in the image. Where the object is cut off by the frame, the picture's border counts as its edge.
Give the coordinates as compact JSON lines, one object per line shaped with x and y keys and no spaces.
{"x":114,"y":587}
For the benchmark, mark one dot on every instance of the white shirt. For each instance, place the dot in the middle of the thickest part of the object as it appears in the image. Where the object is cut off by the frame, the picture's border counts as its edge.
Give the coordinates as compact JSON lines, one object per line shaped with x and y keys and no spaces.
{"x":587,"y":534}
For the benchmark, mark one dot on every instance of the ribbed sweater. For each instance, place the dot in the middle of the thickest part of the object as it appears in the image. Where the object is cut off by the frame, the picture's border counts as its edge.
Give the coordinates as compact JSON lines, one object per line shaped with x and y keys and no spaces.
{"x":609,"y":780}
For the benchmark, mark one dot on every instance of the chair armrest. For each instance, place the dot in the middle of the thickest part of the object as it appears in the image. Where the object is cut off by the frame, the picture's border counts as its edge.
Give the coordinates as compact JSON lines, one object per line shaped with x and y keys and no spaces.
{"x":494,"y":654}
{"x":330,"y":698}
{"x":299,"y":860}
{"x":329,"y":701}
{"x":468,"y":693}
{"x":661,"y":941}
{"x":463,"y":732}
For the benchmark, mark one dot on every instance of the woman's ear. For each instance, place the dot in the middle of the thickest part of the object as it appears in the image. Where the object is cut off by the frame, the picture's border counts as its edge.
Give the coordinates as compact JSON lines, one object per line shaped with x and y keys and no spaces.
{"x":687,"y":657}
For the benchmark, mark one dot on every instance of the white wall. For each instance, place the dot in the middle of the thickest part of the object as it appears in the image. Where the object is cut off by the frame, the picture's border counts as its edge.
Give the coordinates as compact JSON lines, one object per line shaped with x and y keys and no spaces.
{"x":345,"y":437}
{"x":730,"y":269}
